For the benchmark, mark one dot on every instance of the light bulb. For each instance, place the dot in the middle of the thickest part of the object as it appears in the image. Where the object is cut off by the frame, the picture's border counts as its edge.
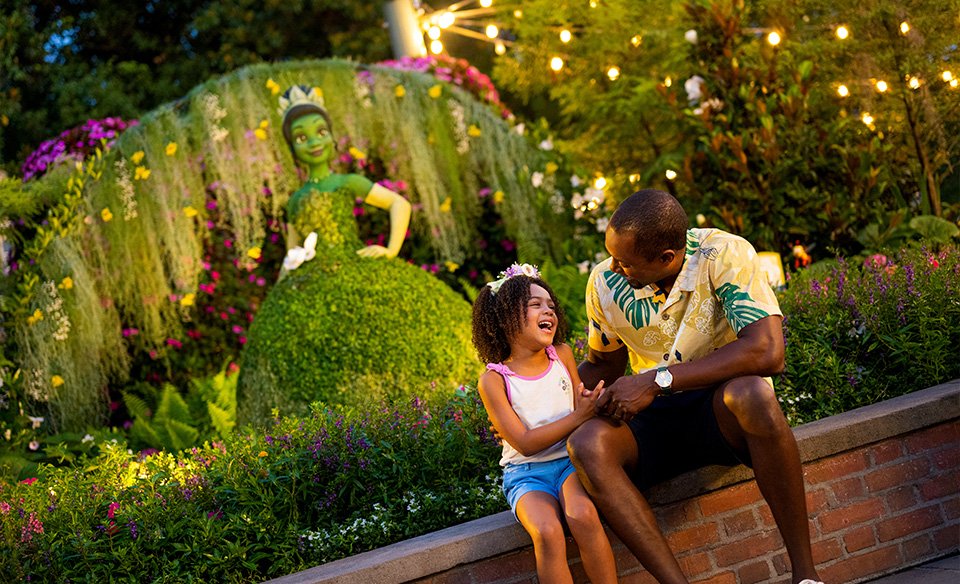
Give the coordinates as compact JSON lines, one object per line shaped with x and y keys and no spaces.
{"x":773,"y":38}
{"x":600,"y":182}
{"x":947,"y":76}
{"x":914,"y":83}
{"x":904,"y":27}
{"x":671,"y":174}
{"x":953,"y":83}
{"x":500,"y":48}
{"x":434,"y":32}
{"x":556,"y":63}
{"x":668,"y":81}
{"x":446,"y":19}
{"x":881,"y":86}
{"x":492,"y":31}
{"x":635,"y":41}
{"x":843,"y":91}
{"x":613,"y":73}
{"x":867,"y":119}
{"x":634,"y":178}
{"x":565,"y":36}
{"x":486,"y":3}
{"x":436,"y":47}
{"x":842,"y":32}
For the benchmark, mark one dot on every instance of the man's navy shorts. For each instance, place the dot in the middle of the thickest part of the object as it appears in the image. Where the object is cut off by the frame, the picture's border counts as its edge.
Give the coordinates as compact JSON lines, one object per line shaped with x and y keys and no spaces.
{"x":677,"y":433}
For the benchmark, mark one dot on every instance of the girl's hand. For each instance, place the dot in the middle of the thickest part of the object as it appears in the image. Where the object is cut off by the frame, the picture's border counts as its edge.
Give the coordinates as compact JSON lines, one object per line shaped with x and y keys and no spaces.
{"x":374,"y":251}
{"x":588,"y":400}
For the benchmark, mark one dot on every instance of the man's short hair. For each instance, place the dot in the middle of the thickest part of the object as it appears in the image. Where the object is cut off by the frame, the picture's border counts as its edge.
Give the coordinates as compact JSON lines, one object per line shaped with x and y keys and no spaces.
{"x":656,"y":219}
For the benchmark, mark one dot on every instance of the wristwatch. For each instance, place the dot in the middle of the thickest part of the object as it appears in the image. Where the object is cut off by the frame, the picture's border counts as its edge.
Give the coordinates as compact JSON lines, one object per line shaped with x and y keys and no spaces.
{"x":664,"y":379}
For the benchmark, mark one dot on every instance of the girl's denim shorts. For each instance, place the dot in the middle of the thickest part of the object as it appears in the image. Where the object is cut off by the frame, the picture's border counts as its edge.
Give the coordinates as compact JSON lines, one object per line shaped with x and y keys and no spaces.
{"x":520,"y":479}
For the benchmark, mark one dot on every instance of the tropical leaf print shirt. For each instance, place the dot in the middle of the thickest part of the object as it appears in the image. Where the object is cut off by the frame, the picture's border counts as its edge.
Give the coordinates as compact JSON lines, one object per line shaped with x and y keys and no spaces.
{"x":720,"y":290}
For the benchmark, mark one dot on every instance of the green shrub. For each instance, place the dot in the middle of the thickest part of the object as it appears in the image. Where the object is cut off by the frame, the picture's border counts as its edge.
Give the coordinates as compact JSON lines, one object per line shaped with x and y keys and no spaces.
{"x":258,"y":505}
{"x":861,"y":332}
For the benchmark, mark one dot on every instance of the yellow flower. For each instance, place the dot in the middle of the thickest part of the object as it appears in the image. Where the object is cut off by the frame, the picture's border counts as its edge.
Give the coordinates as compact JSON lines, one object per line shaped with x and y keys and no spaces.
{"x":498,"y":197}
{"x":67,"y":283}
{"x":435,"y":91}
{"x":273,"y":87}
{"x":474,"y":131}
{"x":431,"y":139}
{"x":37,"y":315}
{"x":56,"y":380}
{"x":264,"y":124}
{"x":254,"y":252}
{"x":189,"y":211}
{"x":137,"y":157}
{"x":142,"y":172}
{"x":400,"y":91}
{"x":357,"y":154}
{"x":260,"y":133}
{"x":171,"y":148}
{"x":4,"y":120}
{"x":319,"y":91}
{"x":452,"y":267}
{"x":262,"y":454}
{"x":552,"y":167}
{"x":106,"y":214}
{"x":445,"y":205}
{"x":187,"y":300}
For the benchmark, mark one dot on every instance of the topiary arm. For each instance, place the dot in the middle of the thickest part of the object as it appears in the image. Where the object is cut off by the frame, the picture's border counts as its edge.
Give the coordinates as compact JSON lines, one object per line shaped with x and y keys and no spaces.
{"x":399,"y":208}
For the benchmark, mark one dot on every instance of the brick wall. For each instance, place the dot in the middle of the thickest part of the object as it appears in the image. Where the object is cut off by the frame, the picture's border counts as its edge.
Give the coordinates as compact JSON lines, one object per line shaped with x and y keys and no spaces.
{"x":873,"y":509}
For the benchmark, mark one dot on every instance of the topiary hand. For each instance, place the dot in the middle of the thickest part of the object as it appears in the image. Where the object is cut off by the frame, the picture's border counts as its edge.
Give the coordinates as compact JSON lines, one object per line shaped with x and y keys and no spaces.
{"x":374,"y":251}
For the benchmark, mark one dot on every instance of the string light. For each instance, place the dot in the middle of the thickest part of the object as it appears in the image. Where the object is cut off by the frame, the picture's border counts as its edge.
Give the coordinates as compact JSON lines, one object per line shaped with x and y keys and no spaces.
{"x":434,"y":32}
{"x":518,"y":13}
{"x":842,"y":32}
{"x":635,"y":41}
{"x":867,"y":118}
{"x":446,"y":19}
{"x":947,"y":76}
{"x":613,"y":73}
{"x":634,"y":178}
{"x":565,"y":36}
{"x":671,"y":174}
{"x":773,"y":38}
{"x":436,"y":47}
{"x":953,"y":83}
{"x":668,"y":81}
{"x":593,"y":3}
{"x":492,"y":31}
{"x":914,"y":83}
{"x":600,"y":182}
{"x":904,"y":27}
{"x":881,"y":86}
{"x":500,"y":48}
{"x":556,"y":63}
{"x":843,"y":91}
{"x":486,"y":3}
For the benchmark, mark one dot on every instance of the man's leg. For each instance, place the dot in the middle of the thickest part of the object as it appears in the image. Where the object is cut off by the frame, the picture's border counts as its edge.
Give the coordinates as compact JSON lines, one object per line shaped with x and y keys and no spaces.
{"x":751,"y":419}
{"x":603,"y":453}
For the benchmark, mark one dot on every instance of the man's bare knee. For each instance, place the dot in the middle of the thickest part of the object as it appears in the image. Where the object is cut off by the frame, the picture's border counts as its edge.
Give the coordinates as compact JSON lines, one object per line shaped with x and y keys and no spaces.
{"x":753,"y":402}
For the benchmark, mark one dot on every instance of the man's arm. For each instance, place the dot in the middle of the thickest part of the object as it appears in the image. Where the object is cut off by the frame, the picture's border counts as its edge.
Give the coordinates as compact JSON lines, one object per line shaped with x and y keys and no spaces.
{"x":758,"y":350}
{"x":605,"y":366}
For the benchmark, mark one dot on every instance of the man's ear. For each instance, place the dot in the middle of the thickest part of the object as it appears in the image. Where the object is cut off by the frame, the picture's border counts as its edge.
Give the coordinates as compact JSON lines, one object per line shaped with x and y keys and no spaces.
{"x":667,"y":256}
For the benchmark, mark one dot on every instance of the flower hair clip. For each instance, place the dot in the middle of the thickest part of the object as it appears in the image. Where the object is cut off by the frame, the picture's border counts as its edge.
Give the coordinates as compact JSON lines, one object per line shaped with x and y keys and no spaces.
{"x":514,"y":270}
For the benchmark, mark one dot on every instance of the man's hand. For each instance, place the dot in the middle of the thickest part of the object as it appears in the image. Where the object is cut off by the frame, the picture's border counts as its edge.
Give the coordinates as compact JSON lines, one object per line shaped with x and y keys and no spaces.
{"x":627,"y":396}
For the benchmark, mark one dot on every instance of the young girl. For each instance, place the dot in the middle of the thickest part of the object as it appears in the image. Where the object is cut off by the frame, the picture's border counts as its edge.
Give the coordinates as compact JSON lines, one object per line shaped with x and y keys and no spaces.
{"x":534,"y":398}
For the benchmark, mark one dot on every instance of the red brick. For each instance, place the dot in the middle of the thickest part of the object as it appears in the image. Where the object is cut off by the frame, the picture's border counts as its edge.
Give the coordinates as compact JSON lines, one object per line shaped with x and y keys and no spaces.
{"x":900,"y":499}
{"x":933,"y":437}
{"x":917,"y":548}
{"x":693,"y":538}
{"x":747,"y":548}
{"x":740,"y":523}
{"x":817,"y":500}
{"x":835,"y":467}
{"x":676,"y":516}
{"x":851,"y":515}
{"x":505,"y":566}
{"x":730,"y":498}
{"x":947,"y":538}
{"x":857,"y":567}
{"x":643,"y":577}
{"x":946,"y":459}
{"x":951,"y":507}
{"x":766,"y":516}
{"x":940,"y":486}
{"x":459,"y":575}
{"x":826,"y":550}
{"x":848,"y":490}
{"x":695,"y":564}
{"x":912,"y":522}
{"x":753,"y":573}
{"x":887,"y":451}
{"x":781,"y":564}
{"x":724,"y":578}
{"x":859,"y":538}
{"x":904,"y":473}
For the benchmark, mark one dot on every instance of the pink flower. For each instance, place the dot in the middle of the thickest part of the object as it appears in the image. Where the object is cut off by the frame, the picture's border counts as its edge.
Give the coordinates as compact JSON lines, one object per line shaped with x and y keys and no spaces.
{"x":243,"y":340}
{"x":111,"y":509}
{"x":261,"y":281}
{"x":227,"y":243}
{"x":237,"y":329}
{"x":29,"y":481}
{"x":215,"y":275}
{"x":174,"y":343}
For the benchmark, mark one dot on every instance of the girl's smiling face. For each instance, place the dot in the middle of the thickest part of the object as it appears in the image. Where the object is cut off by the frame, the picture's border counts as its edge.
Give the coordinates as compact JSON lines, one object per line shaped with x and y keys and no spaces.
{"x":540,"y":316}
{"x":312,"y":140}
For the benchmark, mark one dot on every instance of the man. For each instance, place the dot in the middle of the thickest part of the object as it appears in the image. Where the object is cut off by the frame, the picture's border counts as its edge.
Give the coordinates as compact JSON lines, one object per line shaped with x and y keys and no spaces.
{"x":701,"y":327}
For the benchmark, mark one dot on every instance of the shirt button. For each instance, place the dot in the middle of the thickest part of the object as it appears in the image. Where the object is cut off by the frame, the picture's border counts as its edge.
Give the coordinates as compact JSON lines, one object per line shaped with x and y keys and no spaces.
{"x":665,"y":316}
{"x":666,"y":356}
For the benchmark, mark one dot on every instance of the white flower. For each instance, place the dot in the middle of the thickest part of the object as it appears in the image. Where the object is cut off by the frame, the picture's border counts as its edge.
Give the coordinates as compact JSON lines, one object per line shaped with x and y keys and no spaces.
{"x":537,"y":179}
{"x":584,"y":266}
{"x":576,"y":200}
{"x":577,"y":214}
{"x":35,"y":421}
{"x":575,"y":181}
{"x":87,"y":438}
{"x":692,"y":87}
{"x":310,"y":245}
{"x":599,"y":257}
{"x":34,"y":445}
{"x":519,"y":128}
{"x":295,"y":257}
{"x":691,"y":36}
{"x":546,"y":144}
{"x":602,"y":224}
{"x":7,"y":434}
{"x":529,"y":271}
{"x":714,"y":104}
{"x":701,"y":219}
{"x":595,"y":195}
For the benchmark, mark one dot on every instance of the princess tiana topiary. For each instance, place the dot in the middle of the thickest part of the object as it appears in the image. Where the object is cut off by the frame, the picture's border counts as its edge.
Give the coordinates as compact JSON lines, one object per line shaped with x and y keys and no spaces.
{"x":346,"y":323}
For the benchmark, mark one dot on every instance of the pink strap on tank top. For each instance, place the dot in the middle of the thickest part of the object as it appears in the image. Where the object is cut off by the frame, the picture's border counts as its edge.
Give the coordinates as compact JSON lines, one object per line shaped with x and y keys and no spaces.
{"x":507,"y":372}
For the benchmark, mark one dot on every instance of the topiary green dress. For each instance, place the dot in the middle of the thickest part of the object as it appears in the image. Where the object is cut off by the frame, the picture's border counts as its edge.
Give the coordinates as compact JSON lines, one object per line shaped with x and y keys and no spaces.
{"x":344,"y":329}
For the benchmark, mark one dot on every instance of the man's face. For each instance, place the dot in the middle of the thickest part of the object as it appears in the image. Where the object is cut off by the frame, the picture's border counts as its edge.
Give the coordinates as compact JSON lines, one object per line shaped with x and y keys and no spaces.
{"x":638,"y":271}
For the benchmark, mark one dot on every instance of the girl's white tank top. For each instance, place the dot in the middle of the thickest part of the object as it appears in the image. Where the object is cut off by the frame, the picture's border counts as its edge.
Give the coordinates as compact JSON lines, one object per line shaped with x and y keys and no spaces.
{"x":538,"y":401}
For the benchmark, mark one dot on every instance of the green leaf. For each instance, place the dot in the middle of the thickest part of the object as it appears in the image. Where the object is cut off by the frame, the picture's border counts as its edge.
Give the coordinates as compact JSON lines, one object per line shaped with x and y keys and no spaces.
{"x":934,"y":228}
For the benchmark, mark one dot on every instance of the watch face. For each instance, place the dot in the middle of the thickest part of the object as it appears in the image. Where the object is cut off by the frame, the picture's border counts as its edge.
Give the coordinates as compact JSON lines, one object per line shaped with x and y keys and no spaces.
{"x":664,"y":378}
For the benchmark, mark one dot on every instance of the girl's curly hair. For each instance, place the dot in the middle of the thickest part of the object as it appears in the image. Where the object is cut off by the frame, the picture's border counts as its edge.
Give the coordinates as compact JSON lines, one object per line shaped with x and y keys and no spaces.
{"x":498,"y":317}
